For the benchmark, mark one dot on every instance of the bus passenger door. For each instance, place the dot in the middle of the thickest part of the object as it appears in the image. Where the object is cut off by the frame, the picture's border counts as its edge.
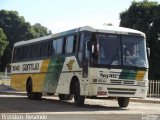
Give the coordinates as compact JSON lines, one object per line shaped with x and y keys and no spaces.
{"x":85,"y":60}
{"x":83,"y":54}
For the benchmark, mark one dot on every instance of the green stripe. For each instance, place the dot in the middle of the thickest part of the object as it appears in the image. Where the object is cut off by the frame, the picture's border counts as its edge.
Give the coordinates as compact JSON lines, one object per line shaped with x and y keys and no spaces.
{"x":128,"y":74}
{"x":52,"y":78}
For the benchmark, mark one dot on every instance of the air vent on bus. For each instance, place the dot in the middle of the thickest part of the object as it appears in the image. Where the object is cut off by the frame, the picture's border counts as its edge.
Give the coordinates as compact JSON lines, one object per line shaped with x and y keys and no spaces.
{"x":122,"y":82}
{"x":121,"y":91}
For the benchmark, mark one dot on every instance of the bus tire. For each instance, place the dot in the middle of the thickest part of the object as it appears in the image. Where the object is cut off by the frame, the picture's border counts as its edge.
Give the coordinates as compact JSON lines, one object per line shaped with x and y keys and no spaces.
{"x":37,"y":95}
{"x":65,"y":97}
{"x":32,"y":95}
{"x":123,"y":101}
{"x":78,"y":99}
{"x":50,"y":94}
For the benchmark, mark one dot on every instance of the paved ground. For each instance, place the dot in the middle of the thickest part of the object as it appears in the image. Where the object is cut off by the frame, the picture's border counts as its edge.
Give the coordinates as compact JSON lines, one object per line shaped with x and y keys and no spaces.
{"x":60,"y":110}
{"x":94,"y":109}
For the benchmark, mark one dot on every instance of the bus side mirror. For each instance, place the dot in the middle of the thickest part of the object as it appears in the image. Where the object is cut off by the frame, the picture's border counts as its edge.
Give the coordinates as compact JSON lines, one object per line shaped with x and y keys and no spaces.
{"x":88,"y":45}
{"x":148,"y":51}
{"x":92,"y":48}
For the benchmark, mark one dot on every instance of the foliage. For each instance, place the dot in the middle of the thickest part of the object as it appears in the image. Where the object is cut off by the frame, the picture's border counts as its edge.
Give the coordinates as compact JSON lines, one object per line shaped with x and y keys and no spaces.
{"x":40,"y":30}
{"x":3,"y":42}
{"x":16,"y":29}
{"x":144,"y":16}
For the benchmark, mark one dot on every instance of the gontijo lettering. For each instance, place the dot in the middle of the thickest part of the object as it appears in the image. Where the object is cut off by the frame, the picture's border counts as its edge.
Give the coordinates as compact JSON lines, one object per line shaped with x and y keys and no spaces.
{"x":28,"y":67}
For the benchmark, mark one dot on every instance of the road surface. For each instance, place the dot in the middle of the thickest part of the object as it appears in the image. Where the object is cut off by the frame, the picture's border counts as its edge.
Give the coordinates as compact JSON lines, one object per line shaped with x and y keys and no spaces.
{"x":53,"y":108}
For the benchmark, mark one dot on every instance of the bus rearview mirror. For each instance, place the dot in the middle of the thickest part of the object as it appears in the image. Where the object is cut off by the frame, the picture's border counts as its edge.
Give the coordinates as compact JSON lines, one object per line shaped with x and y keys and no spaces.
{"x":88,"y":46}
{"x":148,"y":52}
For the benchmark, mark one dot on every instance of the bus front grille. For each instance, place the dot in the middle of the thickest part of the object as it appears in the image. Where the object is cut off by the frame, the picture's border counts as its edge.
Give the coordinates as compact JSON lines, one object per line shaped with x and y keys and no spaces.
{"x":121,"y":91}
{"x":122,"y":82}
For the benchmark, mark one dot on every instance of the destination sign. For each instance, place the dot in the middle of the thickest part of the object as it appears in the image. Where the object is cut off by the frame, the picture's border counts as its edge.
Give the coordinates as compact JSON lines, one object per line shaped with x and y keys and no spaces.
{"x":26,"y":67}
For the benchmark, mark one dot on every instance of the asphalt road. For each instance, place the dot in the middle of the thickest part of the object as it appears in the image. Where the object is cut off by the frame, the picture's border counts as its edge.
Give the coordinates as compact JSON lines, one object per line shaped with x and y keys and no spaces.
{"x":51,"y":108}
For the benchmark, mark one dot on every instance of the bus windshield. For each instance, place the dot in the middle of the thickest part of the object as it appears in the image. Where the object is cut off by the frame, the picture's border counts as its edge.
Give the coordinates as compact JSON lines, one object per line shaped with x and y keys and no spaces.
{"x":121,"y":50}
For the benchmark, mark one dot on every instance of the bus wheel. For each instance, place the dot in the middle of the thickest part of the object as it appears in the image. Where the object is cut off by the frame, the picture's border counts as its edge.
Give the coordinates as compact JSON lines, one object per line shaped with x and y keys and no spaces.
{"x":38,"y":95}
{"x":65,"y":97}
{"x":123,"y":101}
{"x":50,"y":94}
{"x":79,"y":100}
{"x":31,"y":94}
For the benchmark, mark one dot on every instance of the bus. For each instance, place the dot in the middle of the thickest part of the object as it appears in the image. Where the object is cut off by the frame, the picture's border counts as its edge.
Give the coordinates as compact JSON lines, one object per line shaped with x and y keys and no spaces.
{"x":109,"y":62}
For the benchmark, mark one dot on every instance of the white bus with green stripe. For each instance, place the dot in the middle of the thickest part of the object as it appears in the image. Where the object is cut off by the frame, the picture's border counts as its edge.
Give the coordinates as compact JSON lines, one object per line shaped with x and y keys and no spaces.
{"x":83,"y":62}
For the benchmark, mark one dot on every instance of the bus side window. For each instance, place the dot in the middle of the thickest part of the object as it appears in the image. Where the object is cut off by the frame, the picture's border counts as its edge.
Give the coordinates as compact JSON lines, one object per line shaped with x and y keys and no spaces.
{"x":37,"y":50}
{"x":24,"y":54}
{"x":59,"y":46}
{"x":54,"y":46}
{"x":43,"y":51}
{"x":15,"y":55}
{"x":27,"y":52}
{"x":69,"y":44}
{"x":74,"y":44}
{"x":31,"y":52}
{"x":19,"y":55}
{"x":34,"y":51}
{"x":64,"y":44}
{"x":49,"y":50}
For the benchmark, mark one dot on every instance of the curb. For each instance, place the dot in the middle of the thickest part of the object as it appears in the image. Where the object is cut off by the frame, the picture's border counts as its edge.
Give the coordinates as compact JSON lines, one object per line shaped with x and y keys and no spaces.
{"x":149,"y":100}
{"x":12,"y":92}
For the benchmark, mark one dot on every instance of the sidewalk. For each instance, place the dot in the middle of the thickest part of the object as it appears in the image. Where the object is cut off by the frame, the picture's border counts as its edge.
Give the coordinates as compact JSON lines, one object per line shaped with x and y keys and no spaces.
{"x":146,"y":100}
{"x":5,"y":87}
{"x":7,"y":90}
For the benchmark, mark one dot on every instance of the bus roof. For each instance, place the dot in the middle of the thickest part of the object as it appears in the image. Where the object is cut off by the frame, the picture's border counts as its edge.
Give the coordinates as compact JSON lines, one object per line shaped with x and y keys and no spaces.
{"x":104,"y":29}
{"x":112,"y":29}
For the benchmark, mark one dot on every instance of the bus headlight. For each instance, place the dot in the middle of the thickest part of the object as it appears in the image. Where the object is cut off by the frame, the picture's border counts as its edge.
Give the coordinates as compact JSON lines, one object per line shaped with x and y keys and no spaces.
{"x":143,"y":91}
{"x":94,"y":80}
{"x":103,"y":80}
{"x":142,"y":83}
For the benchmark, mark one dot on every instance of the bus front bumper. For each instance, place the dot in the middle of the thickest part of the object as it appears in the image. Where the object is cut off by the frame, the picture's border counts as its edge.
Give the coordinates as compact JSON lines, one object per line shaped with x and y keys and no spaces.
{"x":103,"y":90}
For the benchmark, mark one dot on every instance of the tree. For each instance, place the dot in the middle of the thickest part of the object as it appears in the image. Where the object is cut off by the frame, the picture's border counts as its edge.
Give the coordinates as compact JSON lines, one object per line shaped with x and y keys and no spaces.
{"x":17,"y":29}
{"x":3,"y":42}
{"x":144,"y":16}
{"x":40,"y":30}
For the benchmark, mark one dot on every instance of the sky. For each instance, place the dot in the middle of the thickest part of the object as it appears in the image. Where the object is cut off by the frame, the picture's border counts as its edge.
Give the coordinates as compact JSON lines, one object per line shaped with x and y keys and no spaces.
{"x":60,"y":15}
